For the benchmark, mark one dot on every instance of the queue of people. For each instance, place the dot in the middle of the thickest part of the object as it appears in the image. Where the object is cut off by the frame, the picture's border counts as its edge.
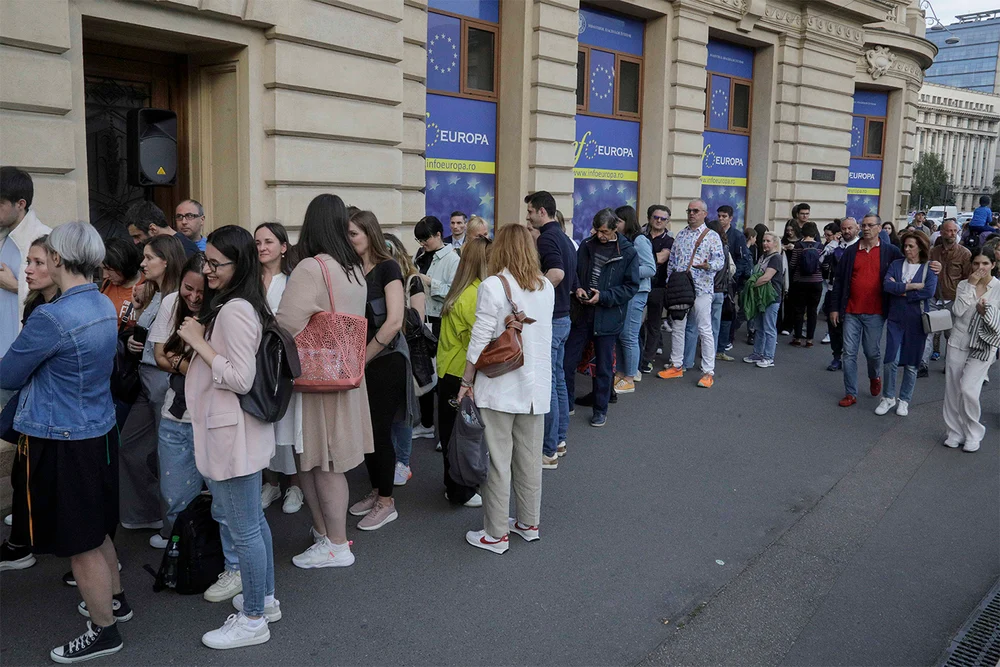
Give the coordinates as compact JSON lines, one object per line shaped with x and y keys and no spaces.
{"x":124,"y":371}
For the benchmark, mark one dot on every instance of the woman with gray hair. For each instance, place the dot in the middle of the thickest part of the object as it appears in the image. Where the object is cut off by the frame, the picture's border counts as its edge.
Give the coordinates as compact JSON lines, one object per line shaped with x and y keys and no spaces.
{"x":63,"y":360}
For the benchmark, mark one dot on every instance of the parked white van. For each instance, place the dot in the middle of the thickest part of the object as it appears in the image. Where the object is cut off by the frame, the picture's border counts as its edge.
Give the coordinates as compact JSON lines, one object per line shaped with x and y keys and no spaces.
{"x":939,"y":213}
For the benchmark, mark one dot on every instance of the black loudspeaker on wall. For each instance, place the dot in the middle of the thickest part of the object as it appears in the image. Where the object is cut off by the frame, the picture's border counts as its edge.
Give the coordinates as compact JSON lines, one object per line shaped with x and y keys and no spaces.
{"x":152,"y":147}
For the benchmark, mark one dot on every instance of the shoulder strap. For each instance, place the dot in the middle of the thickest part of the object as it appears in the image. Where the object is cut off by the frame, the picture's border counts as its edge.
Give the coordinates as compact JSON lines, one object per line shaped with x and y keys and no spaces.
{"x":406,"y":290}
{"x":696,"y":246}
{"x":326,"y":279}
{"x":506,"y":291}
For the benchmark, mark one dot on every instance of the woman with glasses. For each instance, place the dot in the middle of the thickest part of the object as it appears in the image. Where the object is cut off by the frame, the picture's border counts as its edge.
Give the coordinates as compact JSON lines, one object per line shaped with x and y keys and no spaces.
{"x":458,"y":317}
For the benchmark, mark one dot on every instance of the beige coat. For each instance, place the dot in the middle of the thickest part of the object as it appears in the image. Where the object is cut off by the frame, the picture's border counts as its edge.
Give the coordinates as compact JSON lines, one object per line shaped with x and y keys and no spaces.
{"x":336,"y":427}
{"x":227,"y":441}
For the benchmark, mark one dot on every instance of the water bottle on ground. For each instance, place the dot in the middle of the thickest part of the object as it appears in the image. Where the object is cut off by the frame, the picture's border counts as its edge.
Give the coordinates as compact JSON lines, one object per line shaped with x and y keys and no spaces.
{"x":173,"y":555}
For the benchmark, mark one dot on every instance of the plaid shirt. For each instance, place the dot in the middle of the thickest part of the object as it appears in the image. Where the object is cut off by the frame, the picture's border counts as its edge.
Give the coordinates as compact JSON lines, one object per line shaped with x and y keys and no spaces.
{"x":709,"y":251}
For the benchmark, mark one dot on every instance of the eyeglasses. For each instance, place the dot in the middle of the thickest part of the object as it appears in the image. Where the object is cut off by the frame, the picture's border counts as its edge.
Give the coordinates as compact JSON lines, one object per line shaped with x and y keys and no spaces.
{"x":660,"y":218}
{"x":692,"y":211}
{"x":214,"y":266}
{"x":187,"y":216}
{"x":870,"y":225}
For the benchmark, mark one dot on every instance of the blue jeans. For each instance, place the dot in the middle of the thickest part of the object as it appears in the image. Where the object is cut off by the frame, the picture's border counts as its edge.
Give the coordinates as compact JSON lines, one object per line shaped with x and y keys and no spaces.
{"x":889,"y":377}
{"x":402,"y":440}
{"x":691,"y":330}
{"x":765,"y":337}
{"x":725,"y":335}
{"x":557,"y":418}
{"x":861,"y":331}
{"x":239,"y":498}
{"x":604,"y":349}
{"x":628,"y":340}
{"x":180,"y":482}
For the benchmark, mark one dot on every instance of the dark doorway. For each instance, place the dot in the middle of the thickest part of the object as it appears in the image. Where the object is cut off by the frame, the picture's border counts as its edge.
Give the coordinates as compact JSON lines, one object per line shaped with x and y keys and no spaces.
{"x":118,"y":78}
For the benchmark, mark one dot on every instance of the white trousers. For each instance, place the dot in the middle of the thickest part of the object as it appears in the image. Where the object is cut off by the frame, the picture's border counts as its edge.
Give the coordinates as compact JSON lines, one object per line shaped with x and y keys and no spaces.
{"x":702,"y":314}
{"x":963,"y":384}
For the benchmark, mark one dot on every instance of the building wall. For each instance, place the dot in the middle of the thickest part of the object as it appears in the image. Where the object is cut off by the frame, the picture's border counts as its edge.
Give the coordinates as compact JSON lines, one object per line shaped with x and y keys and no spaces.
{"x":962,"y":127}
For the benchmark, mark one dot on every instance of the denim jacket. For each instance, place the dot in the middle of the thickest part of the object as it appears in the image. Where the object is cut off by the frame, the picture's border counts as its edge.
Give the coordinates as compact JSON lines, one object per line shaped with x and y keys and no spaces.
{"x":62,"y":362}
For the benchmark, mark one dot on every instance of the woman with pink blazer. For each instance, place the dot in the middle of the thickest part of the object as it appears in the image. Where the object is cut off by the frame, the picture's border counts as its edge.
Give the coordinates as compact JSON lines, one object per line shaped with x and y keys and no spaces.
{"x":230,"y":446}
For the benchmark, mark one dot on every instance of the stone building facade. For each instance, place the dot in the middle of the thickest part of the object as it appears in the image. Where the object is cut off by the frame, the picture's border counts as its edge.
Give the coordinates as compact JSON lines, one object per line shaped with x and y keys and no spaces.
{"x":962,"y":128}
{"x":279,"y":100}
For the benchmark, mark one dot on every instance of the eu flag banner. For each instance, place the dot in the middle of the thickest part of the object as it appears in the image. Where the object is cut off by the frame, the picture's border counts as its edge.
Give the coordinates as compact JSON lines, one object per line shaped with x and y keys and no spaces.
{"x":724,"y":164}
{"x":602,"y":82}
{"x":729,"y":58}
{"x":461,"y":158}
{"x":444,"y":46}
{"x":609,"y":31}
{"x":864,"y":183}
{"x":858,"y":137}
{"x":718,"y":117}
{"x":606,"y":168}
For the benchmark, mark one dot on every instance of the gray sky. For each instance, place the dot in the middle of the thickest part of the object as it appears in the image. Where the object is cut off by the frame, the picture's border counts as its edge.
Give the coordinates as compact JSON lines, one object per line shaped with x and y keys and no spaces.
{"x":947,"y":9}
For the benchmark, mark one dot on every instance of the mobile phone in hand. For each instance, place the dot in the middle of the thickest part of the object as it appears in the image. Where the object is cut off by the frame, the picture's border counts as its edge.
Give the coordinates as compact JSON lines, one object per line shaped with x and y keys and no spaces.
{"x":140,"y":334}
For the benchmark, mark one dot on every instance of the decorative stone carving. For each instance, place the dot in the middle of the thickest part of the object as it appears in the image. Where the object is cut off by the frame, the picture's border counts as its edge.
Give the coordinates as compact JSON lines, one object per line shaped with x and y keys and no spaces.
{"x":880,"y":59}
{"x":818,"y":24}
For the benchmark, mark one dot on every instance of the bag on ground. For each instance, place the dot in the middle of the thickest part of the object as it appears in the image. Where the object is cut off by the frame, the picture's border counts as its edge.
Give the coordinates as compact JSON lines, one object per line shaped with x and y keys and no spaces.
{"x":201,"y":560}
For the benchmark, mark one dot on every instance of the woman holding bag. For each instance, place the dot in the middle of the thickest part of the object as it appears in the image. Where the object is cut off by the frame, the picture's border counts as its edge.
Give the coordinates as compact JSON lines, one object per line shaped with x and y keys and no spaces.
{"x":336,"y":426}
{"x":513,"y":404}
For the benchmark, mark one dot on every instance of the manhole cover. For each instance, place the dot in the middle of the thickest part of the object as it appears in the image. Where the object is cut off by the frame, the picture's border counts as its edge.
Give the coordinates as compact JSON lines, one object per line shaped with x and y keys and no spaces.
{"x":977,"y":643}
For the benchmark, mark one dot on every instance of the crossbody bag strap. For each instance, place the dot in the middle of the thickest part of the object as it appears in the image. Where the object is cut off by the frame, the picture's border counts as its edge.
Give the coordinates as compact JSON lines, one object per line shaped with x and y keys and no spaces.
{"x":697,"y":245}
{"x":329,"y":284}
{"x":513,"y":306}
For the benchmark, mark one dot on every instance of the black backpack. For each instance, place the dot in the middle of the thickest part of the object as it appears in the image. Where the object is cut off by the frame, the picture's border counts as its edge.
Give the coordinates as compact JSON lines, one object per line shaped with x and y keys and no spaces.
{"x":808,"y":259}
{"x":679,"y":295}
{"x":277,"y":368}
{"x":201,"y":559}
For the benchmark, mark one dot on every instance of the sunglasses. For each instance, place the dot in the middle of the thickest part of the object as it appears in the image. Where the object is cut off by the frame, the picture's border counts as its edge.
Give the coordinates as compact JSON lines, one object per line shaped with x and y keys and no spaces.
{"x":660,"y":218}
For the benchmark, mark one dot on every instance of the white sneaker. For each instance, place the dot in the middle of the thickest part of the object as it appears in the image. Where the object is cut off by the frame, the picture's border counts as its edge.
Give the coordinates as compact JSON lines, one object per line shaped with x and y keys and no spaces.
{"x":561,"y":449}
{"x":314,"y":536}
{"x":637,"y":377}
{"x":150,"y":525}
{"x":528,"y":533}
{"x":474,"y":501}
{"x":903,"y":408}
{"x":402,"y":475}
{"x":158,"y":542}
{"x":272,"y":612}
{"x":324,"y":553}
{"x":229,"y":584}
{"x":293,"y":500}
{"x":268,"y":494}
{"x":885,"y":405}
{"x":8,"y":520}
{"x":765,"y":363}
{"x":438,"y":447}
{"x":970,"y":447}
{"x":237,"y":632}
{"x":952,"y":445}
{"x":423,"y":432}
{"x":479,"y":538}
{"x":826,"y":340}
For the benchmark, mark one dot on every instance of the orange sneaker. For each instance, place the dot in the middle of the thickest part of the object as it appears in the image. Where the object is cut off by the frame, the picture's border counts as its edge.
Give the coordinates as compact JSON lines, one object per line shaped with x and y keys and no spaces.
{"x":706,"y":381}
{"x":672,"y":372}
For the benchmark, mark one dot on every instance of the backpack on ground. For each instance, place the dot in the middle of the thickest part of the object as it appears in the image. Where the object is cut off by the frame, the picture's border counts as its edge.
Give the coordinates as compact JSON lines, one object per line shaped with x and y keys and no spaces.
{"x":201,"y":560}
{"x":277,"y":368}
{"x":679,"y":295}
{"x":808,"y":259}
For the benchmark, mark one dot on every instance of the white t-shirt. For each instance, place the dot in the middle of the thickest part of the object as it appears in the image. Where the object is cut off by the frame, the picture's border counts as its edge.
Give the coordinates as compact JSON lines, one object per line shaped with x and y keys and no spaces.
{"x":160,"y":332}
{"x":909,"y":271}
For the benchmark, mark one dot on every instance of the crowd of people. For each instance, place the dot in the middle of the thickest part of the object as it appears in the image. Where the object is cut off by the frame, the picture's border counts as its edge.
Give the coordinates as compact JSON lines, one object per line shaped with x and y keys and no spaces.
{"x":123,"y":360}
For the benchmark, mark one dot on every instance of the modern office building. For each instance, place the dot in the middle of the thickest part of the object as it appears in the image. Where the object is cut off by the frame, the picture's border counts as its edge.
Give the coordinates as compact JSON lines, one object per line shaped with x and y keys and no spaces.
{"x":972,"y":61}
{"x":962,"y":127}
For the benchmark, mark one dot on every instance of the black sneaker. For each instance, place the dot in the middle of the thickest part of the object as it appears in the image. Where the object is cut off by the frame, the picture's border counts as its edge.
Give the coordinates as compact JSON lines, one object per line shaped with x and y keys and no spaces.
{"x":614,"y":396}
{"x":647,"y":367}
{"x":93,"y":643}
{"x":586,"y":400}
{"x":15,"y":558}
{"x":119,"y":607}
{"x":70,"y":580}
{"x":923,"y":371}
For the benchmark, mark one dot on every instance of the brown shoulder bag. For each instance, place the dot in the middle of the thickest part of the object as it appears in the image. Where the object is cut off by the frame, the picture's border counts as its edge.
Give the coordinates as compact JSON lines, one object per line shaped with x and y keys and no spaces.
{"x":506,"y":352}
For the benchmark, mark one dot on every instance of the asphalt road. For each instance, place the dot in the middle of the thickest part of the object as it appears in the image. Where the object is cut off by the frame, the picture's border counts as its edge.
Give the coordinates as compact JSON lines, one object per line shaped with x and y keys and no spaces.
{"x":753,"y":523}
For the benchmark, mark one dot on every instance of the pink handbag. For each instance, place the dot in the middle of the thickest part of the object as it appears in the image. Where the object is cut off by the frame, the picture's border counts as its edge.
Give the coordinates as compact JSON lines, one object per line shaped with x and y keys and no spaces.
{"x":331,"y":348}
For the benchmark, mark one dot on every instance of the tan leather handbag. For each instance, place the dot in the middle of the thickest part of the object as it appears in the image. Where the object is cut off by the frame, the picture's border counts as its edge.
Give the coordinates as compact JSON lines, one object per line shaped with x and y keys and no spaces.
{"x":505,"y":353}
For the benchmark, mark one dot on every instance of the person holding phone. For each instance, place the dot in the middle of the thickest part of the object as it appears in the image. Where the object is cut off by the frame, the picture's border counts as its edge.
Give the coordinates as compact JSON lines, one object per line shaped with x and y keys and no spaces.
{"x":162,"y":263}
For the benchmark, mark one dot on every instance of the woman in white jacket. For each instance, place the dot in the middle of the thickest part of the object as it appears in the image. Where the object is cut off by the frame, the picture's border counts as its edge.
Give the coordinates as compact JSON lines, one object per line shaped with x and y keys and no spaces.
{"x":512,"y":405}
{"x":972,"y":349}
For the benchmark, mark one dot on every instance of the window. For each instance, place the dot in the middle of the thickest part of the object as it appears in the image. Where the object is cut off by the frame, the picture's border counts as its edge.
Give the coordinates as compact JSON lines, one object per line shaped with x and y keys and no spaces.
{"x":874,"y":134}
{"x":608,"y":83}
{"x":740,"y":121}
{"x":729,"y":101}
{"x":480,"y":59}
{"x":462,"y":56}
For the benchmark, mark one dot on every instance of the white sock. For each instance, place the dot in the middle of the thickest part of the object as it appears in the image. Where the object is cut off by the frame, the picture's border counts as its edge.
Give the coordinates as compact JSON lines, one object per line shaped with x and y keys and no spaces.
{"x":254,"y":624}
{"x":269,"y":600}
{"x":346,"y":546}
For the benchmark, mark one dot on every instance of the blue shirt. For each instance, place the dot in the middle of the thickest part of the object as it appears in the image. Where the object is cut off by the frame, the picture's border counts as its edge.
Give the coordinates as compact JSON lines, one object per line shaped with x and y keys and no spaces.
{"x":9,"y":315}
{"x":981,"y":217}
{"x":201,"y":243}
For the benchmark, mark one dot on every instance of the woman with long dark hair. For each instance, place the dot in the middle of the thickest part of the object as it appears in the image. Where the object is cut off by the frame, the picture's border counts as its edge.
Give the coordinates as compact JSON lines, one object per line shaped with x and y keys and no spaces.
{"x":806,"y":283}
{"x":791,"y":236}
{"x":162,"y":262}
{"x":272,"y":251}
{"x":336,"y":427}
{"x":627,"y":345}
{"x":231,"y":447}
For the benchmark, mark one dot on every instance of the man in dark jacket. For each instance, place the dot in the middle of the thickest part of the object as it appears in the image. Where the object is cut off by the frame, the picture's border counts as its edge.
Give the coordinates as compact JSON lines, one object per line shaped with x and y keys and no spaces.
{"x":861,"y":303}
{"x":608,"y":272}
{"x":740,"y":254}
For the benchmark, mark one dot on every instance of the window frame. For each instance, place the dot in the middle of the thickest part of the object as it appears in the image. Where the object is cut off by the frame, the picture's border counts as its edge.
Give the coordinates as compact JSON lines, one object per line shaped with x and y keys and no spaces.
{"x":585,"y":50}
{"x":865,"y":155}
{"x":616,"y":113}
{"x":465,"y":92}
{"x":733,"y":80}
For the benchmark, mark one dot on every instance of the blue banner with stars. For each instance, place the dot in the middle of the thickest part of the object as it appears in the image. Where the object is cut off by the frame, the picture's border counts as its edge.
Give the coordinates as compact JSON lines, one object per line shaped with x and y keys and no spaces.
{"x":718,"y":103}
{"x":444,"y":44}
{"x":602,"y":82}
{"x":461,"y":158}
{"x":609,"y":31}
{"x":864,"y":186}
{"x":724,"y":164}
{"x":606,"y":169}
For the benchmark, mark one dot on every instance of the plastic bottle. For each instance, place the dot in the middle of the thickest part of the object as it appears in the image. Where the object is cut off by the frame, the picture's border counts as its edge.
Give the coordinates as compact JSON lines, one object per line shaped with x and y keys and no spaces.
{"x":173,"y":555}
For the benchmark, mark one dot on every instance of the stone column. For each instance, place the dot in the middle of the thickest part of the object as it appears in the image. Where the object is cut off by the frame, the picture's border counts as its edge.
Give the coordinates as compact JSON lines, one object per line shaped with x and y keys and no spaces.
{"x":653,"y":160}
{"x":414,"y":115}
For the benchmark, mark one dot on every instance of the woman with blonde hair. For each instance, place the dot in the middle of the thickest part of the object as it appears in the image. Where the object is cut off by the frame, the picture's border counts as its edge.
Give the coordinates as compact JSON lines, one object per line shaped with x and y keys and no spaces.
{"x":457,"y":318}
{"x":512,"y":405}
{"x":477,"y":229}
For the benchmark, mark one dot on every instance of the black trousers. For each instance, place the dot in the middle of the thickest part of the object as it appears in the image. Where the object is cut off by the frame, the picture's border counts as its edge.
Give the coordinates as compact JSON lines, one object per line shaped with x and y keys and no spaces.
{"x":604,"y":350}
{"x":836,"y":339}
{"x":448,"y":387}
{"x":385,"y":378}
{"x":651,"y":327}
{"x":427,"y":400}
{"x":20,"y":533}
{"x":805,"y":302}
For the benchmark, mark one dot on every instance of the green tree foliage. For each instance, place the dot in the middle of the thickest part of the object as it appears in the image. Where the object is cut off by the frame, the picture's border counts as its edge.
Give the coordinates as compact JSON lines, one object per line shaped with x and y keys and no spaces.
{"x":930,"y":185}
